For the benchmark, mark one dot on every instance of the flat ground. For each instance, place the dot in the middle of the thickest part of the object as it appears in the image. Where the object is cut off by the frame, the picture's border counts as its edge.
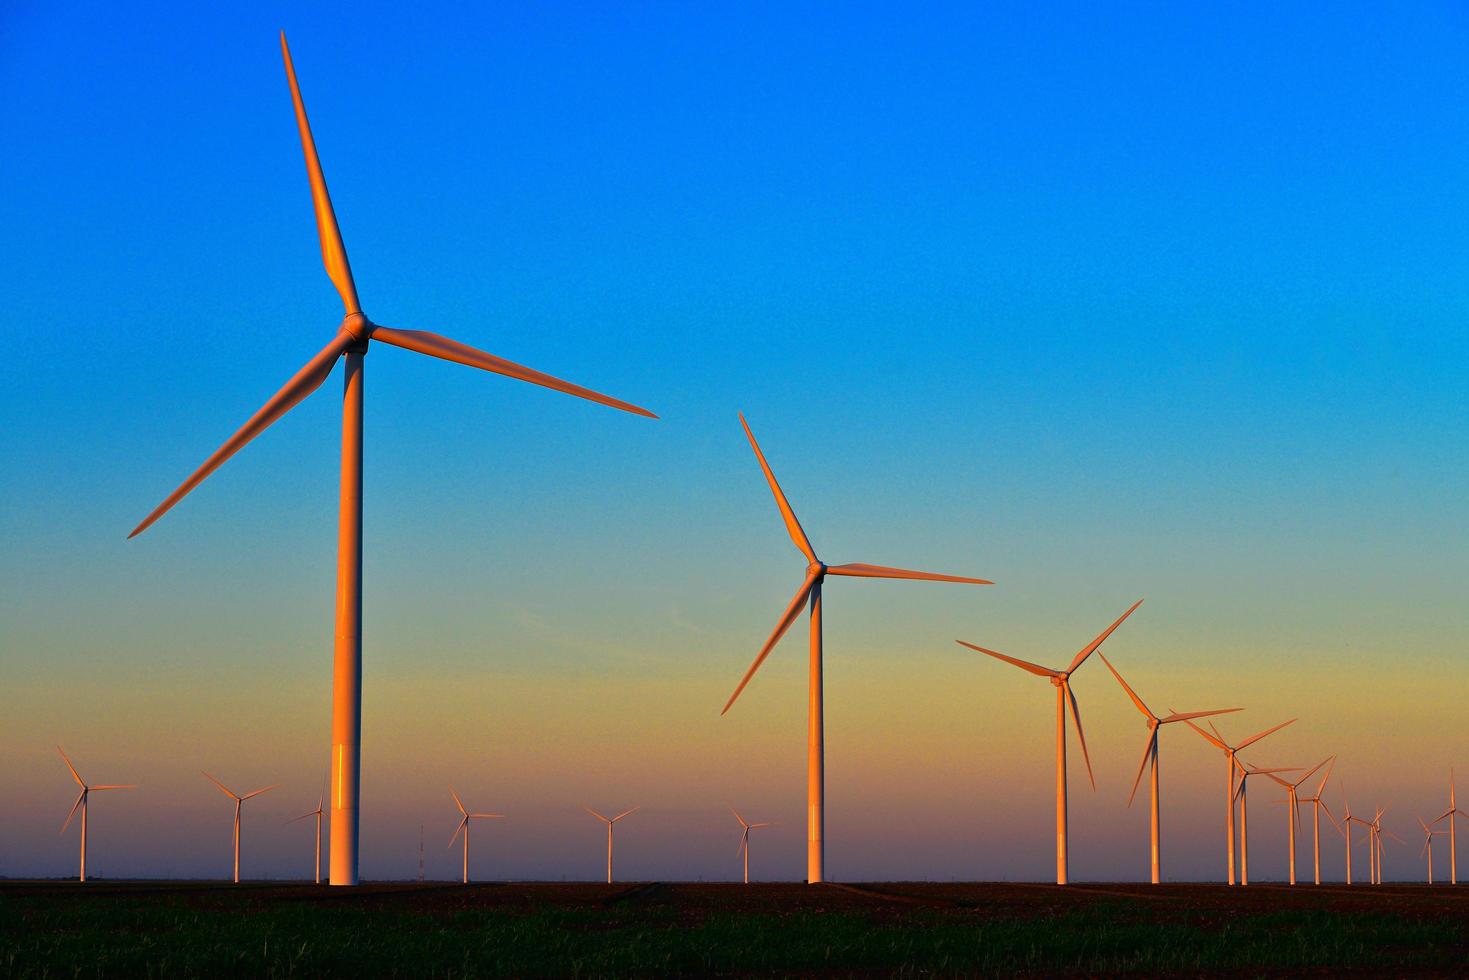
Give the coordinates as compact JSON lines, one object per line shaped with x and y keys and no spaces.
{"x":553,"y":929}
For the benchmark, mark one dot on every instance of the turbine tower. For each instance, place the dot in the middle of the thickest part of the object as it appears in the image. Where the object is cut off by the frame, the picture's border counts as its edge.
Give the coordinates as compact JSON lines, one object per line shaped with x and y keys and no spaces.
{"x":1150,"y":759}
{"x":1246,"y":771}
{"x":350,"y":346}
{"x":744,"y":848}
{"x":1318,"y":803}
{"x":239,"y":801}
{"x":609,"y":821}
{"x":81,"y":804}
{"x":1061,"y":681}
{"x":465,"y":817}
{"x":816,"y":573}
{"x":317,"y":813}
{"x":1229,"y":752}
{"x":1293,"y":814}
{"x":1450,"y":814}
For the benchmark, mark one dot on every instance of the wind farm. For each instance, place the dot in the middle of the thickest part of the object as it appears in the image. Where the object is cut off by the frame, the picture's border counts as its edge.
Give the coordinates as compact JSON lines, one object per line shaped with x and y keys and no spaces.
{"x":1051,"y":310}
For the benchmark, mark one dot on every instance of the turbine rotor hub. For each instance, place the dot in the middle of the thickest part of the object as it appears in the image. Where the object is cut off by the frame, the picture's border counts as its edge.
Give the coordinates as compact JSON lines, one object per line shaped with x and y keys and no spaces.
{"x":359,"y":328}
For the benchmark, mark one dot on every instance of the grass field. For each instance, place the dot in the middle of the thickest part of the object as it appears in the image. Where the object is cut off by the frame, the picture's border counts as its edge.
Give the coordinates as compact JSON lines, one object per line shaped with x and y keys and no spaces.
{"x":191,"y":929}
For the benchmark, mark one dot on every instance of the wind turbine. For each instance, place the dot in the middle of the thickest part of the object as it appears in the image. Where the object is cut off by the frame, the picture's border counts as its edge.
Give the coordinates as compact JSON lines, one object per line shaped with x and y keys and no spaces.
{"x":239,"y":800}
{"x":1293,"y":814}
{"x":350,"y":344}
{"x":1428,"y":834}
{"x":81,"y":804}
{"x":317,"y":813}
{"x":1452,"y":812}
{"x":1246,"y":771}
{"x":1150,"y":757}
{"x":1229,"y":753}
{"x":1378,"y":848}
{"x":1318,"y":803}
{"x":1061,"y":681}
{"x":744,"y":848}
{"x":465,"y":817}
{"x":816,"y":573}
{"x":609,"y":821}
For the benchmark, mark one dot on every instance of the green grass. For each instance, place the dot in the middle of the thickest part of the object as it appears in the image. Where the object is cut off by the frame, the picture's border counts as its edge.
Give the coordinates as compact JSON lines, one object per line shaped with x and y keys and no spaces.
{"x":168,"y":937}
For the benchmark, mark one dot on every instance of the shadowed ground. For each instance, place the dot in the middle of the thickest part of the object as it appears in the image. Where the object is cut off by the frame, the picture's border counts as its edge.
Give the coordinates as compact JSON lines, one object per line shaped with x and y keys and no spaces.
{"x":550,"y":929}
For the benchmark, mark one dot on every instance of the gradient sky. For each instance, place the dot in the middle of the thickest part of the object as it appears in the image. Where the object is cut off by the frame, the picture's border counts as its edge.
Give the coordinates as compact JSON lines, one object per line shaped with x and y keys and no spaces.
{"x":1100,"y":304}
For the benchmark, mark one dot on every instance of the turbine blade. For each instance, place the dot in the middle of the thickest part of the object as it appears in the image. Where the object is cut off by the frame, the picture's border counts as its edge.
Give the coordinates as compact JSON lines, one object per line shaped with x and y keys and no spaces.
{"x":1255,"y":738}
{"x":98,"y":789}
{"x":1271,"y":774}
{"x":301,"y":817}
{"x":1086,"y":651}
{"x":1217,"y":741}
{"x":1322,"y":788}
{"x":626,"y":812}
{"x":73,"y":768}
{"x":793,"y":526}
{"x":1142,"y":766}
{"x":859,"y":570}
{"x":1312,"y":771}
{"x":744,"y":843}
{"x":432,"y":344}
{"x":595,"y":814}
{"x":462,"y":825}
{"x":757,"y":826}
{"x":792,"y":611}
{"x":1130,"y":692}
{"x":333,"y":252}
{"x":222,"y":787}
{"x":80,"y":796}
{"x":737,"y":816}
{"x":488,"y":816}
{"x":264,"y":789}
{"x":1389,"y":833}
{"x":305,"y":381}
{"x":1080,"y":735}
{"x":1196,"y":714}
{"x":457,"y":801}
{"x":1332,"y":817}
{"x":1022,"y":664}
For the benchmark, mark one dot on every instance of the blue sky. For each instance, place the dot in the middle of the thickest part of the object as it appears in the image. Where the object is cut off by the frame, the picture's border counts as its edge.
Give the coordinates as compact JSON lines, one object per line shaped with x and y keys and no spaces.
{"x":1094,"y":302}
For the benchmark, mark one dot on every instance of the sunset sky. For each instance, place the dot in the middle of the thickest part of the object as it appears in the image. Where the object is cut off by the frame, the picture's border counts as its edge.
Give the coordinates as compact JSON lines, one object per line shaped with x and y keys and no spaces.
{"x":1099,"y":304}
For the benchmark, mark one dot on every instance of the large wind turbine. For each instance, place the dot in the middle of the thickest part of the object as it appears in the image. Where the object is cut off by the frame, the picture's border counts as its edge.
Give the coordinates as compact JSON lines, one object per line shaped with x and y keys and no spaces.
{"x":609,"y":821}
{"x":81,"y":804}
{"x":317,"y":813}
{"x":350,"y":345}
{"x":816,"y":573}
{"x":463,"y":827}
{"x":1061,"y":680}
{"x":1150,"y":758}
{"x":239,"y":801}
{"x":1229,"y":752}
{"x":745,"y":838}
{"x":1451,"y":814}
{"x":1318,"y":803}
{"x":1246,"y":771}
{"x":1293,"y":814}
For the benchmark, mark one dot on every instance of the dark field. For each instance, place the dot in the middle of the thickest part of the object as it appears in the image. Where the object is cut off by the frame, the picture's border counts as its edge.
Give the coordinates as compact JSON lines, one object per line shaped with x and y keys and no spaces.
{"x":437,"y":930}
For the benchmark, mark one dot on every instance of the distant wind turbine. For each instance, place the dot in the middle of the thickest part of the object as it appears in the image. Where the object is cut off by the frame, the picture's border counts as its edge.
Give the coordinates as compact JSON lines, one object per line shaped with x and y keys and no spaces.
{"x":81,"y":804}
{"x":1293,"y":813}
{"x":816,"y":573}
{"x":1318,"y":803}
{"x":1150,"y":759}
{"x":1428,"y":834}
{"x":463,"y":827}
{"x":1229,"y":751}
{"x":1246,"y":771}
{"x":1451,"y":814}
{"x":744,"y":848}
{"x":239,"y":801}
{"x":317,"y":813}
{"x":1061,"y":681}
{"x":609,"y":821}
{"x":350,"y":344}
